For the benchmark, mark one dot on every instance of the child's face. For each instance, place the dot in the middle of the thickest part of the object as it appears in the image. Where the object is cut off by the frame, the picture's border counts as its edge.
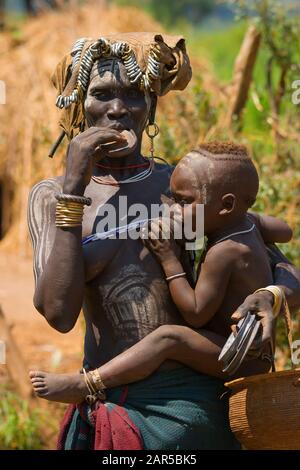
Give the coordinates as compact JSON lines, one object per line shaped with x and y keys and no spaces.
{"x":187,"y":193}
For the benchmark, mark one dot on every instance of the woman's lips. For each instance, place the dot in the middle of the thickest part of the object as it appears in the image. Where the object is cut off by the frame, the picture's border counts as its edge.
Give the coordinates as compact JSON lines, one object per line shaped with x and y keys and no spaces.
{"x":131,"y":139}
{"x":118,"y":126}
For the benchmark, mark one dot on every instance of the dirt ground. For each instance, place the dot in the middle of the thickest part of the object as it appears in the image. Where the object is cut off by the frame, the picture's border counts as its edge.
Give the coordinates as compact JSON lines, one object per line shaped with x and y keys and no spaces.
{"x":41,"y":346}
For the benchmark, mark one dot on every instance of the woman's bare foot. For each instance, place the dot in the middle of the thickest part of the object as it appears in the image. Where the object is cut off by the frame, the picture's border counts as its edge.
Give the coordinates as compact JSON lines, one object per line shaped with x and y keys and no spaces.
{"x":65,"y":388}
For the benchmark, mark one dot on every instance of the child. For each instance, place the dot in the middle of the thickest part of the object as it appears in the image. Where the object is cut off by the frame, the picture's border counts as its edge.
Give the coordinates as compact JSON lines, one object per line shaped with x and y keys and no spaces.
{"x":235,"y":264}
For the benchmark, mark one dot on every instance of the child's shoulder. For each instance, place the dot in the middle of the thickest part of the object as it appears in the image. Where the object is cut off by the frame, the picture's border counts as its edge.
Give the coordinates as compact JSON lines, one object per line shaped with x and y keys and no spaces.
{"x":227,"y":251}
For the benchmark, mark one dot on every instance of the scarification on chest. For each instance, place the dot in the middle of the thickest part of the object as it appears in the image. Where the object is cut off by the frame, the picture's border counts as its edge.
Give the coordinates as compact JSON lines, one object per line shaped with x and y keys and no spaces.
{"x":134,"y":302}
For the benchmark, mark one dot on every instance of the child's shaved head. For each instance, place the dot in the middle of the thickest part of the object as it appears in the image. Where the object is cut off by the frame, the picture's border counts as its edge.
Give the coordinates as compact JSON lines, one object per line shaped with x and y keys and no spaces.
{"x":223,"y":167}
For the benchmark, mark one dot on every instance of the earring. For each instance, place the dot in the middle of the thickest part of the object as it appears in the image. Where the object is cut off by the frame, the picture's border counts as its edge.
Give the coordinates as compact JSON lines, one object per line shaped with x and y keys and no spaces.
{"x":152,"y":135}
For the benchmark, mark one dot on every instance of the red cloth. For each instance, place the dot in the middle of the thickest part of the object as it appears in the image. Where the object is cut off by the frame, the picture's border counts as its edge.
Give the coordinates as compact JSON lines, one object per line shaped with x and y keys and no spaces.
{"x":114,"y":430}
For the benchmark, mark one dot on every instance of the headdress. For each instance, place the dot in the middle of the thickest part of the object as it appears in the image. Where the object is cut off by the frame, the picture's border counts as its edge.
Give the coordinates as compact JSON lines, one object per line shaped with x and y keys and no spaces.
{"x":154,"y":63}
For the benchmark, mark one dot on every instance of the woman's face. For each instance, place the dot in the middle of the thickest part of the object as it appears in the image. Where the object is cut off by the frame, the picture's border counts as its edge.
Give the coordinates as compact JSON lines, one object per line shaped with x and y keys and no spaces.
{"x":190,"y":189}
{"x":113,"y":102}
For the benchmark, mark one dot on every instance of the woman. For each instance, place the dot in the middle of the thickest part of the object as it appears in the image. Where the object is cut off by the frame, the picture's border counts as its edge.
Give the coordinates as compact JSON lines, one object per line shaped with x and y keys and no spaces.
{"x":108,"y":91}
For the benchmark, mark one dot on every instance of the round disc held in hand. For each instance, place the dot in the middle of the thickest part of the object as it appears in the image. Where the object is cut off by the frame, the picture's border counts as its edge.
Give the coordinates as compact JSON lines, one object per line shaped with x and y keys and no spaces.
{"x":131,"y":138}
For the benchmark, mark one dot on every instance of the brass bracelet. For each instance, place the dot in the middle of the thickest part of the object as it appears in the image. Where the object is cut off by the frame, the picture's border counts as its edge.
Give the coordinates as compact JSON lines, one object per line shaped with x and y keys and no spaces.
{"x":97,"y":380}
{"x":94,"y":394}
{"x":68,"y":214}
{"x":73,"y":198}
{"x":279,"y":298}
{"x":87,"y":382}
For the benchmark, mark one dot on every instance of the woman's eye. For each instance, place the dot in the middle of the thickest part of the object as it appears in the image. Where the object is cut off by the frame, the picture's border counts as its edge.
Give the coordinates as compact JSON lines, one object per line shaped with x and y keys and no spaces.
{"x":101,"y":95}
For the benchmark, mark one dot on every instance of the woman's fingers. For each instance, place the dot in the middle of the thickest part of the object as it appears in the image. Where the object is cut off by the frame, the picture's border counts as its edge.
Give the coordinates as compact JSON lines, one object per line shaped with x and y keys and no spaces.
{"x":108,"y":142}
{"x":260,"y":305}
{"x":98,"y":139}
{"x":267,"y":323}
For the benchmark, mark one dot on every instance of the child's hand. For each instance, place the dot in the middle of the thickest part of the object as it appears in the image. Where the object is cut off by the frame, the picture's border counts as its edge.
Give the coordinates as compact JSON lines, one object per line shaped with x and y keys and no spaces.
{"x":158,"y":238}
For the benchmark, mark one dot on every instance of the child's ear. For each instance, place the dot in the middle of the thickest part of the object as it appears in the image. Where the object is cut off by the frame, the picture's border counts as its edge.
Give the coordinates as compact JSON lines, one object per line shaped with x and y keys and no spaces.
{"x":228,"y":204}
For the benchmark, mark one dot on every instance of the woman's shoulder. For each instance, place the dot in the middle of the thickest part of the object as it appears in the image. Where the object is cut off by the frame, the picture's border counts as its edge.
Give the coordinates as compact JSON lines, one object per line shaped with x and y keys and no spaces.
{"x":48,"y":184}
{"x":43,"y":193}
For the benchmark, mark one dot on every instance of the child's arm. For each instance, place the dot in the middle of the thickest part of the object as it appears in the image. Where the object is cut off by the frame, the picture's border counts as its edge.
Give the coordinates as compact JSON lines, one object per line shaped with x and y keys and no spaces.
{"x":272,"y":230}
{"x":199,"y":305}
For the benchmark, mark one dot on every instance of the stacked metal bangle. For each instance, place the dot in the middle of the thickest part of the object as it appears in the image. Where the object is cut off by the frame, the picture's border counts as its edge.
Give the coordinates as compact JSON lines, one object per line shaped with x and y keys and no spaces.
{"x":72,"y":198}
{"x":94,"y":387}
{"x":69,"y":209}
{"x":97,"y":380}
{"x":68,"y":214}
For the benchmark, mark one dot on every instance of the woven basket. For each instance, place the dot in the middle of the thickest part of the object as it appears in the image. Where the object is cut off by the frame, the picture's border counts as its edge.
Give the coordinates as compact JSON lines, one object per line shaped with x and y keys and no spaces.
{"x":264,"y":410}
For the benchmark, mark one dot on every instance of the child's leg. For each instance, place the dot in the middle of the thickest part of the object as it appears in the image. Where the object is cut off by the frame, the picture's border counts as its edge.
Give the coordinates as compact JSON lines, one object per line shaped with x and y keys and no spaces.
{"x":198,"y":350}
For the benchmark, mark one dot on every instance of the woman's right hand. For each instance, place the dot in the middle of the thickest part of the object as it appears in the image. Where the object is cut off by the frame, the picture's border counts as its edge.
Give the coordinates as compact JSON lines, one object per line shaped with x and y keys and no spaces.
{"x":83,"y":151}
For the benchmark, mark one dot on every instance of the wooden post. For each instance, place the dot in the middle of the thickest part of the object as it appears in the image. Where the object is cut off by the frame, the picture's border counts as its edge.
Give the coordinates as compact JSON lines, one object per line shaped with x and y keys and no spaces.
{"x":242,"y":75}
{"x":15,"y":364}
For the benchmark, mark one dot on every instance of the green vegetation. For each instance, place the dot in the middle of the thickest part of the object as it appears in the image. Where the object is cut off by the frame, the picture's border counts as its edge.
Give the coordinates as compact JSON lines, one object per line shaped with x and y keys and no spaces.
{"x":20,"y":427}
{"x":27,"y":425}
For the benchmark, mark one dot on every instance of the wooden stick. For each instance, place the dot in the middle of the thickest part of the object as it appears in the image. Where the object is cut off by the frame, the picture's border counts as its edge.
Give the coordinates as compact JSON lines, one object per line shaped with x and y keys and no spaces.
{"x":242,"y":75}
{"x":56,"y":144}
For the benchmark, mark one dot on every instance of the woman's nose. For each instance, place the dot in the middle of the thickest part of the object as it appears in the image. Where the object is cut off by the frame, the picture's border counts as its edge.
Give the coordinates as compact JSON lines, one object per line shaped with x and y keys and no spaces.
{"x":117,"y":109}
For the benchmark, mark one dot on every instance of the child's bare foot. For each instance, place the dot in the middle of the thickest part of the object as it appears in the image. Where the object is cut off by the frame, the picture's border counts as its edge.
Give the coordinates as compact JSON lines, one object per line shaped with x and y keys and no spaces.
{"x":65,"y":388}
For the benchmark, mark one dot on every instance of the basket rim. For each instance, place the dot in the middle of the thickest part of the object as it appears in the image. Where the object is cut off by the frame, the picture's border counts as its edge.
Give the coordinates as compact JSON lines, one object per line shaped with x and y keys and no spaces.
{"x":242,"y":382}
